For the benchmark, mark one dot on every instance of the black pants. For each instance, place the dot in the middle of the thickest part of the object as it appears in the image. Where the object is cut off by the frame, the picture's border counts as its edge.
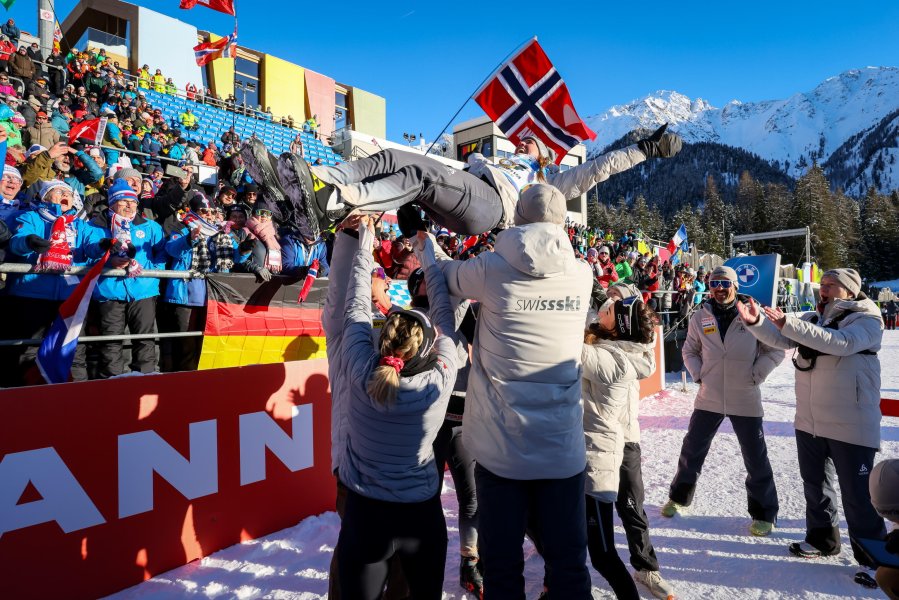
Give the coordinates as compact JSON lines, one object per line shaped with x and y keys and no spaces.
{"x":448,"y":448}
{"x":630,"y":510}
{"x":183,"y":354}
{"x":760,"y":488}
{"x":820,"y":460}
{"x":140,"y":317}
{"x":601,"y":545}
{"x":558,"y":513}
{"x":373,"y":531}
{"x":30,"y":318}
{"x":391,"y":178}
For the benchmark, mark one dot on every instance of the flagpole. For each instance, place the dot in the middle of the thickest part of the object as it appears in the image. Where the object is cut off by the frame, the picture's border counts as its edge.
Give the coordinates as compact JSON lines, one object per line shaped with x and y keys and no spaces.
{"x":492,"y":73}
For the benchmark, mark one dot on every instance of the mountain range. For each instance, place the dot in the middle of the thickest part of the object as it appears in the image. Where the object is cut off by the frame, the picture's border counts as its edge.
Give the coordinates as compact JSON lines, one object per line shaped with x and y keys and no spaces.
{"x":849,"y":124}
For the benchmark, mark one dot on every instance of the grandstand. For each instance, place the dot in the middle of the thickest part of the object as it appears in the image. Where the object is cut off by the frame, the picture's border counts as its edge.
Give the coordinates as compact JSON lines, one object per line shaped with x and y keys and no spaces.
{"x":213,"y":122}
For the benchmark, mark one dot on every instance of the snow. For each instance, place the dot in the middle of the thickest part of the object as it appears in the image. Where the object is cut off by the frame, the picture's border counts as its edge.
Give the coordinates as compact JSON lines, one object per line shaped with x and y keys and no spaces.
{"x":815,"y":122}
{"x":706,"y":554}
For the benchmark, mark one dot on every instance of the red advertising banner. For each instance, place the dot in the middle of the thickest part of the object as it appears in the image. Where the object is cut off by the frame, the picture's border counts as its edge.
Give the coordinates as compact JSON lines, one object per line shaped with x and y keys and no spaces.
{"x":106,"y":483}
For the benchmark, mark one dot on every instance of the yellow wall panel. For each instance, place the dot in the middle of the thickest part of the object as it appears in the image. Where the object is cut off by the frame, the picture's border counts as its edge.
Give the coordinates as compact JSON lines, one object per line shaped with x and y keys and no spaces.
{"x":368,"y":113}
{"x":283,"y":88}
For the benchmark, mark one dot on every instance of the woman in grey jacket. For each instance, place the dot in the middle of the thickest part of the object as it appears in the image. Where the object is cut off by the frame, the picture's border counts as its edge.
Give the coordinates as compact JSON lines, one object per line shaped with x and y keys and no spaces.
{"x":617,"y":351}
{"x":397,"y":395}
{"x":837,"y":406}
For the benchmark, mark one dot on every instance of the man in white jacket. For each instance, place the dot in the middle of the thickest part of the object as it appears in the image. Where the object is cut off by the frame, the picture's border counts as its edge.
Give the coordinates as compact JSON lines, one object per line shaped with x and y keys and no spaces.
{"x":729,"y":365}
{"x":524,"y":418}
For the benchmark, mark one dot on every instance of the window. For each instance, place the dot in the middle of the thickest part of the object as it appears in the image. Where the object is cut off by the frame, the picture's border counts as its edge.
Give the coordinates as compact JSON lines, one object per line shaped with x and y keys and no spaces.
{"x":246,"y":81}
{"x":463,"y":150}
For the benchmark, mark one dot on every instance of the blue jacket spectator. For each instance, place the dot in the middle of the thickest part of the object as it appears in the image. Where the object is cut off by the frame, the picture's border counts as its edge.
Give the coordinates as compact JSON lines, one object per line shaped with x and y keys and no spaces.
{"x":10,"y":30}
{"x":296,"y":254}
{"x":33,"y":238}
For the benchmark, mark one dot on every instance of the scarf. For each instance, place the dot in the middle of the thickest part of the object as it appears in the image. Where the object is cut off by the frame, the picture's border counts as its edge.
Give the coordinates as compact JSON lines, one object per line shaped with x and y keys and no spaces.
{"x":224,"y":249}
{"x":200,"y":259}
{"x":62,"y":239}
{"x":120,"y":227}
{"x":265,"y":231}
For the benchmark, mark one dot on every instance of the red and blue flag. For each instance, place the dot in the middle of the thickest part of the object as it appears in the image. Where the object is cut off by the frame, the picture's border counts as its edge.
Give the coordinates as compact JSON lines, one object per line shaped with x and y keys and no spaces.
{"x":57,"y":351}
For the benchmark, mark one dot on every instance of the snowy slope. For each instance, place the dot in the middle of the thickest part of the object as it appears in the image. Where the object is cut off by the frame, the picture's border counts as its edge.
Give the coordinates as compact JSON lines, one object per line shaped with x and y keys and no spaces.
{"x":706,"y":555}
{"x":809,"y":125}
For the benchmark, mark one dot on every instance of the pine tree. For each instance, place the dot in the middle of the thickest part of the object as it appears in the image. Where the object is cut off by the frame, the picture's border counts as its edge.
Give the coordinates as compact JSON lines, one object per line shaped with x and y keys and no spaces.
{"x":881,"y":248}
{"x":812,"y":207}
{"x":714,"y":219}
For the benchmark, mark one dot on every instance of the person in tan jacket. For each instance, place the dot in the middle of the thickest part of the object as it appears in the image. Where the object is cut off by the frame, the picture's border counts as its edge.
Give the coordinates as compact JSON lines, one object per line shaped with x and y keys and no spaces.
{"x":729,"y":365}
{"x":837,"y":408}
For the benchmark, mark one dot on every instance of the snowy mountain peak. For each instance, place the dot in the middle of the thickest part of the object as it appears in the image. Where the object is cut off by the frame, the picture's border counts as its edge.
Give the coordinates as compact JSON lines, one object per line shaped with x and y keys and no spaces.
{"x":806,"y":127}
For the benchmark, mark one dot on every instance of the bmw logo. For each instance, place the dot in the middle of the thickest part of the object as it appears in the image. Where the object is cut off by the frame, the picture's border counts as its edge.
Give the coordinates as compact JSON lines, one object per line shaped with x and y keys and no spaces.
{"x":747,"y":275}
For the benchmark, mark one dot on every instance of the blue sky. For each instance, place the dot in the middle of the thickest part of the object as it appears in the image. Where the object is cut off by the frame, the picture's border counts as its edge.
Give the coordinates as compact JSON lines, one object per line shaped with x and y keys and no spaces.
{"x":426,"y":58}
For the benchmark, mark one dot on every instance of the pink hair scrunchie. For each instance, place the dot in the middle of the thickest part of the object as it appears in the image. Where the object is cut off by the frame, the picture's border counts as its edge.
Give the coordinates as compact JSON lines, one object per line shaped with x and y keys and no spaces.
{"x":393,"y":361}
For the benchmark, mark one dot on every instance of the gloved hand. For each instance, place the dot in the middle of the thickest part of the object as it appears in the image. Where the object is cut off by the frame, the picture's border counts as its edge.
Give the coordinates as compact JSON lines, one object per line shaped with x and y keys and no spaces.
{"x":37,"y":243}
{"x":130,"y":250}
{"x":112,"y":244}
{"x":408,"y":218}
{"x":262,"y":275}
{"x":246,"y":245}
{"x":661,"y":144}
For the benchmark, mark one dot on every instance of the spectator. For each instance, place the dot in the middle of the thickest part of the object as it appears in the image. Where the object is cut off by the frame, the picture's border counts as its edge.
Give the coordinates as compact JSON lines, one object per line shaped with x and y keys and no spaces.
{"x":34,"y":53}
{"x":135,"y":244}
{"x":227,"y":196}
{"x":179,"y":150}
{"x":10,"y":186}
{"x":623,"y":267}
{"x":159,"y":82}
{"x":190,"y":91}
{"x":298,"y":252}
{"x":404,"y":260}
{"x":170,"y":88}
{"x":42,"y":132}
{"x":10,"y":30}
{"x":112,"y":137}
{"x":6,"y":87}
{"x":311,"y":125}
{"x":231,"y":137}
{"x":50,"y":237}
{"x":296,"y":146}
{"x":517,"y":475}
{"x":837,"y":407}
{"x":729,"y":364}
{"x":211,"y":155}
{"x":21,"y":65}
{"x":192,"y":247}
{"x":7,"y":49}
{"x":189,"y":120}
{"x":56,"y":64}
{"x":605,"y":271}
{"x":144,"y":77}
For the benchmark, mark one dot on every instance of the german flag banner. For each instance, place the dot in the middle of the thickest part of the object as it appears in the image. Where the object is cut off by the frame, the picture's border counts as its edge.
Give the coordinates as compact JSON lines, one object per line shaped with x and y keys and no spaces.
{"x":251,"y":323}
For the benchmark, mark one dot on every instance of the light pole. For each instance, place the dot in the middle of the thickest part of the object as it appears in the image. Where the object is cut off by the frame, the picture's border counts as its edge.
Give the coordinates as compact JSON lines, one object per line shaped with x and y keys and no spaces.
{"x":409,"y":137}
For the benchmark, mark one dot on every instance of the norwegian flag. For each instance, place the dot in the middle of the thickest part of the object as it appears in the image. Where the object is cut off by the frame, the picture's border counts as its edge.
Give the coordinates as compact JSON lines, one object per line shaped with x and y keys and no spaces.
{"x":225,"y":6}
{"x":57,"y":351}
{"x":209,"y":51}
{"x":526,"y":96}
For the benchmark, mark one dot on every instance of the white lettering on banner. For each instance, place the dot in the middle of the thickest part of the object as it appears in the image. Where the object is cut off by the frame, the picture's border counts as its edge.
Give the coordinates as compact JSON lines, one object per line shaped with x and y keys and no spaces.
{"x":143,"y":453}
{"x":259,"y":431}
{"x":62,"y":498}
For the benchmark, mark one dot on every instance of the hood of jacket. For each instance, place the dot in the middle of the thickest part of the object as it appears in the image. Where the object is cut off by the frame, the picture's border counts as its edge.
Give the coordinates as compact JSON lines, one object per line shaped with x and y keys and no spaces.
{"x":536,"y":249}
{"x":862,"y":305}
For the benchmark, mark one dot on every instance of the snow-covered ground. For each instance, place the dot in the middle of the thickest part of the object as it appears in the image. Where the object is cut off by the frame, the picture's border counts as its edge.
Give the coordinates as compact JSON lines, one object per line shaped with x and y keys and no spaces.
{"x":707,"y":554}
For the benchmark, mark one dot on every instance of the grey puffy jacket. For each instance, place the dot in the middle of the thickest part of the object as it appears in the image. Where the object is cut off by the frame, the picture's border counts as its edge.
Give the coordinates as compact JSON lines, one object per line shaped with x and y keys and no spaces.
{"x":611,"y":391}
{"x":572,"y":183}
{"x":389,"y":449}
{"x":523,"y":414}
{"x":732,"y":370}
{"x":839,"y":398}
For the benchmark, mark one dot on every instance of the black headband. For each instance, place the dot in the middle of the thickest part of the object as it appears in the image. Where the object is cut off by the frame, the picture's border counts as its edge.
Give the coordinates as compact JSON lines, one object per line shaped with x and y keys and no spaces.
{"x":626,"y":323}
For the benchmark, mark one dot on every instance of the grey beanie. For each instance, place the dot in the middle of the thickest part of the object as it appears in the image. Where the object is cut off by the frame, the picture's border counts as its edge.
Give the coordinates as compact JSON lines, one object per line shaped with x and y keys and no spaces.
{"x":540,"y":203}
{"x":883,"y":484}
{"x":848,"y":278}
{"x":723,"y":273}
{"x":625,"y":290}
{"x":123,"y":173}
{"x":544,"y":151}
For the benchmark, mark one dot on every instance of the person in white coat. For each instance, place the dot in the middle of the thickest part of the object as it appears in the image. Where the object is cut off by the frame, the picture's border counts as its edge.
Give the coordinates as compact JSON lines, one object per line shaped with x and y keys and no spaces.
{"x":729,"y":364}
{"x":837,"y":407}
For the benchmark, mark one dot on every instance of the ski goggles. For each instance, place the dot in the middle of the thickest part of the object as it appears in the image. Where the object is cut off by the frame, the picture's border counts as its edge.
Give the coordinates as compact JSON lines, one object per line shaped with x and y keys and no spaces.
{"x":262,"y":212}
{"x":724,"y":284}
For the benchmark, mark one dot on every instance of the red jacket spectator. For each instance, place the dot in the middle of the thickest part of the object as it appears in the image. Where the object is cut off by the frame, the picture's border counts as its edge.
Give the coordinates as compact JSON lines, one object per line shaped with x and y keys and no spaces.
{"x":607,"y":269}
{"x":404,"y":260}
{"x":383,"y":254}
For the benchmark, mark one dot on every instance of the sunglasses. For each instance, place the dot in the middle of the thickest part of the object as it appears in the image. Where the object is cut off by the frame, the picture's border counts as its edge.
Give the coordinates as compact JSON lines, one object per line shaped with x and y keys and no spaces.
{"x":724,"y":284}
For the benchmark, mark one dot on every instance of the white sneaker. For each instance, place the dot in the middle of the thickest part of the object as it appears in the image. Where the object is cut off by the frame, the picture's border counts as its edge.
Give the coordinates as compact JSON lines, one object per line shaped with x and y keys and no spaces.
{"x":656,"y":584}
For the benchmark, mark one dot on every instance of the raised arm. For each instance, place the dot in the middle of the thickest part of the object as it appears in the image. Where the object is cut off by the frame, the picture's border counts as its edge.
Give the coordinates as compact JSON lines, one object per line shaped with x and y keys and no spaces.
{"x":576,"y":181}
{"x":357,"y":346}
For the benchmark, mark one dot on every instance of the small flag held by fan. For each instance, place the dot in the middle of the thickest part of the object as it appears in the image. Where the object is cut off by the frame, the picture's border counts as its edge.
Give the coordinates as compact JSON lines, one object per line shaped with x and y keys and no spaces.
{"x":311,"y":274}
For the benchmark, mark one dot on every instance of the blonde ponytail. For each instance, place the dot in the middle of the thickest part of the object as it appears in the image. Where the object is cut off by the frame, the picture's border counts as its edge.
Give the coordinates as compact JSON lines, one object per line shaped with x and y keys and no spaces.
{"x":400,"y":339}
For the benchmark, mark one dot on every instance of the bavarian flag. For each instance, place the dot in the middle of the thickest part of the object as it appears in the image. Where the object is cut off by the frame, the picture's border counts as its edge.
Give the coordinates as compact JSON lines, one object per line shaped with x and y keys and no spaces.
{"x":250,"y":323}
